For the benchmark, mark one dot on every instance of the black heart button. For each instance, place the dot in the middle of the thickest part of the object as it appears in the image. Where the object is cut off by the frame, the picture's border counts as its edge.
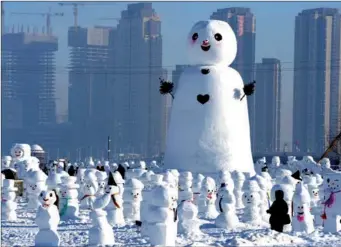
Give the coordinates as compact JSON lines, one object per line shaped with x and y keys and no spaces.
{"x":203,"y":98}
{"x":205,"y":71}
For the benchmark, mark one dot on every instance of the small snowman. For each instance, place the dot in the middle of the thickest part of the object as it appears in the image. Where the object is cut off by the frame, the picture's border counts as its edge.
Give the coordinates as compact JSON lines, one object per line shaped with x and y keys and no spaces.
{"x":162,"y":217}
{"x":252,"y":202}
{"x":197,"y":185}
{"x":36,"y":183}
{"x":188,"y":224}
{"x":20,"y":153}
{"x":264,"y":196}
{"x":102,"y":182}
{"x":68,"y":203}
{"x":227,"y":219}
{"x":225,"y":181}
{"x":54,"y":178}
{"x":302,"y":220}
{"x":238,"y":180}
{"x":6,"y":162}
{"x":332,"y":202}
{"x":8,"y":204}
{"x":47,"y":220}
{"x":80,"y":181}
{"x":132,"y":200}
{"x":61,"y":169}
{"x":209,"y":193}
{"x":89,"y":189}
{"x":114,"y":209}
{"x":185,"y":185}
{"x":101,"y":233}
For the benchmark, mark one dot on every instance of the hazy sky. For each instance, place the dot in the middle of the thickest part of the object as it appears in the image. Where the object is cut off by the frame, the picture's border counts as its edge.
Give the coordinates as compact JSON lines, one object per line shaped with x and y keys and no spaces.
{"x":274,"y":33}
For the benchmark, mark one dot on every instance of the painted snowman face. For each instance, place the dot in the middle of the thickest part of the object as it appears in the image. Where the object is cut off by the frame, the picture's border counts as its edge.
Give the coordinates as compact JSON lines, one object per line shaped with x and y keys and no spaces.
{"x":112,"y":190}
{"x":101,"y":185}
{"x":32,"y":188}
{"x":300,"y":209}
{"x":89,"y":188}
{"x":48,"y":198}
{"x":251,"y":198}
{"x":63,"y":193}
{"x":211,"y":42}
{"x":315,"y":194}
{"x":18,"y":153}
{"x":211,"y":194}
{"x":136,"y":194}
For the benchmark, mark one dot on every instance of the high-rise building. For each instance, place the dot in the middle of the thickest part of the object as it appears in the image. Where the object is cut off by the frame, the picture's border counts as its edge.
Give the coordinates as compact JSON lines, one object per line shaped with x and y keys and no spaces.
{"x":317,"y":79}
{"x":268,"y":106}
{"x":243,"y":23}
{"x":138,"y":104}
{"x":90,"y":109}
{"x":28,"y":88}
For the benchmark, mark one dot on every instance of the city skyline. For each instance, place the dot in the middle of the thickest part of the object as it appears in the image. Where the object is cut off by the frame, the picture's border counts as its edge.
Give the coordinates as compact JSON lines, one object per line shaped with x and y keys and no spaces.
{"x":170,"y":58}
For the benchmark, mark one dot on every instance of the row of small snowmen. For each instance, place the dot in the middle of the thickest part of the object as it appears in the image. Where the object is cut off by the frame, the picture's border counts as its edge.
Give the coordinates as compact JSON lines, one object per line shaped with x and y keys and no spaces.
{"x":168,"y":203}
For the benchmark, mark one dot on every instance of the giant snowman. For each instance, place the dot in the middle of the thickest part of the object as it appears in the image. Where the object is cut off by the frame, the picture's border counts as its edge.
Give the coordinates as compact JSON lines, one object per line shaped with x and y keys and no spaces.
{"x":209,"y":126}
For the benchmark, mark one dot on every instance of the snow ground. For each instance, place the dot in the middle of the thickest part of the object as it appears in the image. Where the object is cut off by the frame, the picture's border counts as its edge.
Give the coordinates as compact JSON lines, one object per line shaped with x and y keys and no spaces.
{"x":22,"y":233}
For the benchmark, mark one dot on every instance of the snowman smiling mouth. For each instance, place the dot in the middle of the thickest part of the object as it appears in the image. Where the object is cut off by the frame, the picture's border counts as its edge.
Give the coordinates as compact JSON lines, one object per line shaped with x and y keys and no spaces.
{"x":205,"y":45}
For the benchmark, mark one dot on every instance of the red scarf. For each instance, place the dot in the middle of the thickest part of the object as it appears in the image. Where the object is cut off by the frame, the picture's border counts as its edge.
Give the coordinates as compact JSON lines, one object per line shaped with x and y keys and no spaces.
{"x":115,"y":202}
{"x":86,"y":196}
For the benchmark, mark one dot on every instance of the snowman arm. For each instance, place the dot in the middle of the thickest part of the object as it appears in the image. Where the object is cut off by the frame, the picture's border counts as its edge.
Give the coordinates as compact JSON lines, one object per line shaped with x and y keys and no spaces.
{"x":166,"y":87}
{"x":248,"y":89}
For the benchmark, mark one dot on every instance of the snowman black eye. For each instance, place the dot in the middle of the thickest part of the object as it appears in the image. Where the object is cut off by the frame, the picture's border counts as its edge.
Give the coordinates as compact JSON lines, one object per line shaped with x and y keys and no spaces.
{"x":251,"y":196}
{"x":328,"y":180}
{"x":245,"y":196}
{"x":218,"y":37}
{"x":41,"y":194}
{"x":195,"y":36}
{"x":51,"y":194}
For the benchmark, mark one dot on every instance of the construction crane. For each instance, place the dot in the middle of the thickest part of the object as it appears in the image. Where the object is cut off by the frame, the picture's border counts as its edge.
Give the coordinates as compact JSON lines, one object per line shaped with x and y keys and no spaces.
{"x":75,"y":9}
{"x":48,"y":16}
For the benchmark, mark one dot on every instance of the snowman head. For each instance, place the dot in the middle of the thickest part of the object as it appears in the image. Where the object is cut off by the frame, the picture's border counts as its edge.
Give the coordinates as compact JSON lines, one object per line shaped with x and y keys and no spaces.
{"x":301,"y":208}
{"x":32,"y":188}
{"x":315,"y":193}
{"x":251,"y":198}
{"x":48,"y":198}
{"x":90,"y":187}
{"x":101,"y":185}
{"x":63,"y":193}
{"x":112,"y":190}
{"x":212,"y":42}
{"x":6,"y":161}
{"x":136,"y":194}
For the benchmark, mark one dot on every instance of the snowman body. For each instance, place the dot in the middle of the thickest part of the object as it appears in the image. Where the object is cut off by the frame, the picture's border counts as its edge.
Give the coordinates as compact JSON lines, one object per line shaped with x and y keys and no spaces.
{"x":209,"y":127}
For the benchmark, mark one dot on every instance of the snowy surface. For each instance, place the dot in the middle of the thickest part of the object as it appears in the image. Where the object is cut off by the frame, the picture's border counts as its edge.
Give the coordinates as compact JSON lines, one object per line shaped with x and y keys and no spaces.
{"x":75,"y":233}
